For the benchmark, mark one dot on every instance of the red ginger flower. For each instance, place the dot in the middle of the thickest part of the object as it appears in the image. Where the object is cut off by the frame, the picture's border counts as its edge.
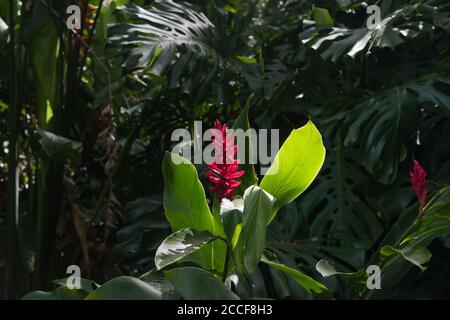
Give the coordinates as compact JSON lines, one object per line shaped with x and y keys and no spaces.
{"x":418,"y":181}
{"x":222,"y":172}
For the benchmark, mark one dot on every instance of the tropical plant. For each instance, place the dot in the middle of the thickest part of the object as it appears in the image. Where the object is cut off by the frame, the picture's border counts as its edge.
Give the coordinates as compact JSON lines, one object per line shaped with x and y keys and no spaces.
{"x":86,"y":118}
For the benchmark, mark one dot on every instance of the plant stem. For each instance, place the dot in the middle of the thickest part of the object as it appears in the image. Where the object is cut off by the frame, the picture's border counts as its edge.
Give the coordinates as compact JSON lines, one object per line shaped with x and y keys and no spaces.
{"x":227,"y":263}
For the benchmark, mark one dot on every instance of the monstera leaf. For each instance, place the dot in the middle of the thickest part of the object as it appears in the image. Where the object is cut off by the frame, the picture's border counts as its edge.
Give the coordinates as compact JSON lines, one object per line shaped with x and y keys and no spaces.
{"x":289,"y":240}
{"x":162,"y":29}
{"x":335,"y":205}
{"x":144,"y":227}
{"x":175,"y":40}
{"x":381,"y":124}
{"x":407,"y":22}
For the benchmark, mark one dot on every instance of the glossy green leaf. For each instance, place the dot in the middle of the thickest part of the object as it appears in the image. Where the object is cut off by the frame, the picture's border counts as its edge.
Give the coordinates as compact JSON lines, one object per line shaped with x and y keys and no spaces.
{"x":64,"y":293}
{"x":86,"y":285}
{"x":184,"y":197}
{"x":295,"y":166}
{"x":322,"y":17}
{"x":356,"y":279}
{"x":40,"y":295}
{"x":246,"y":59}
{"x":231,"y":213}
{"x":157,"y":280}
{"x":309,"y":284}
{"x":198,"y":284}
{"x":435,"y":221}
{"x":185,"y":206}
{"x":258,"y":205}
{"x":179,"y":245}
{"x":125,"y":288}
{"x":416,"y":255}
{"x":44,"y":56}
{"x":335,"y":42}
{"x":407,"y":246}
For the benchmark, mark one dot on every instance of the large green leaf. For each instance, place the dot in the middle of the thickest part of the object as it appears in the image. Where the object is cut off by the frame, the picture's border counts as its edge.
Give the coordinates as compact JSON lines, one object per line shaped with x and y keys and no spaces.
{"x":380,"y":125}
{"x":336,"y":207}
{"x":322,"y":17}
{"x":257,"y":208}
{"x":435,"y":221}
{"x":157,"y":280}
{"x":140,"y":208}
{"x":86,"y":285}
{"x":309,"y":284}
{"x":177,"y":41}
{"x":142,"y":231}
{"x":44,"y":49}
{"x":357,"y":279}
{"x":56,"y":147}
{"x":408,"y":22}
{"x":184,"y":197}
{"x":186,"y":207}
{"x":295,"y":166}
{"x":40,"y":295}
{"x":158,"y":36}
{"x":125,"y":288}
{"x":290,"y":240}
{"x":410,"y":249}
{"x":179,"y":245}
{"x":231,"y":213}
{"x":165,"y":27}
{"x":416,"y":255}
{"x":198,"y":284}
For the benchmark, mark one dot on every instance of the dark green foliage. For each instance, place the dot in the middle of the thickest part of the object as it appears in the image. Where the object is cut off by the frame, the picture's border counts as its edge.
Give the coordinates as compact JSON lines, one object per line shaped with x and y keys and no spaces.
{"x":91,"y":127}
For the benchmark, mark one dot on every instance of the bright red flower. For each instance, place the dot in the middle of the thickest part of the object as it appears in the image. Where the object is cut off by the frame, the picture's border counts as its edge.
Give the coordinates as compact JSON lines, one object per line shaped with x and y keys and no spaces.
{"x":222,"y":172}
{"x":418,"y":181}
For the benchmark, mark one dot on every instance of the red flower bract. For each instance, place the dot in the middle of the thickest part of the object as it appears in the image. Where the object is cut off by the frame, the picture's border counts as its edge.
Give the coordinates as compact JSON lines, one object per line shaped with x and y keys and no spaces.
{"x":418,"y":181}
{"x":222,"y":172}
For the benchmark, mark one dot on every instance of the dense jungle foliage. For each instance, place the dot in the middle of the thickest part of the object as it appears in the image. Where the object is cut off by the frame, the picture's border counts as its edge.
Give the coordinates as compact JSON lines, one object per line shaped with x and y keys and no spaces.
{"x":86,"y":177}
